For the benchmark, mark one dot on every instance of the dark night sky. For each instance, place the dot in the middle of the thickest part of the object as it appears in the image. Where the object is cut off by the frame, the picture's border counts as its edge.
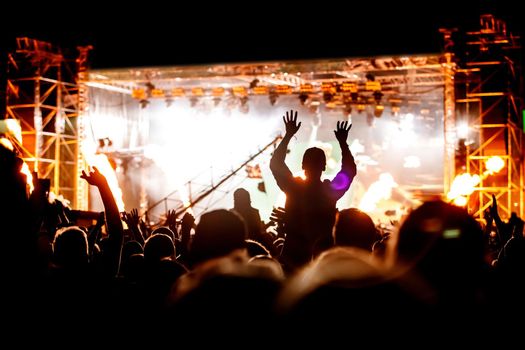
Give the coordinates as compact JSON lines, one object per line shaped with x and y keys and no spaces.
{"x":141,"y":35}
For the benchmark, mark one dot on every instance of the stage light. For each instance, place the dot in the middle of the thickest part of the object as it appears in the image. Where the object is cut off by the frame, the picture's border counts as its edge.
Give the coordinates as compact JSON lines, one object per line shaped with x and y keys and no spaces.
{"x":243,"y":100}
{"x":306,"y":88}
{"x":273,"y":97}
{"x":378,"y":111}
{"x":254,"y":83}
{"x":169,"y":102}
{"x":349,"y":87}
{"x":193,"y":101}
{"x":378,"y":95}
{"x":303,"y":97}
{"x":197,"y":91}
{"x":239,"y":91}
{"x":143,"y":103}
{"x":149,"y":88}
{"x":244,"y":107}
{"x":177,"y":92}
{"x":216,"y":101}
{"x":283,"y":89}
{"x":138,"y":94}
{"x":260,"y":90}
{"x":217,"y":91}
{"x":328,"y":97}
{"x":157,"y":93}
{"x":361,"y":107}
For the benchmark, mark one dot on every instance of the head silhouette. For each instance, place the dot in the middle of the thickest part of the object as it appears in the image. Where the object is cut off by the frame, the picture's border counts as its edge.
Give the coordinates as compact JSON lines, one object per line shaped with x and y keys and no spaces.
{"x":314,"y":162}
{"x":159,"y":246}
{"x":70,"y":247}
{"x":241,"y":198}
{"x":355,"y":228}
{"x":218,"y":233}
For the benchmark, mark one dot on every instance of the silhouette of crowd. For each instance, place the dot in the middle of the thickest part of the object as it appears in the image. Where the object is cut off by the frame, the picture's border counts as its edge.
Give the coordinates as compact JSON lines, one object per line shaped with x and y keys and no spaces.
{"x":312,"y":272}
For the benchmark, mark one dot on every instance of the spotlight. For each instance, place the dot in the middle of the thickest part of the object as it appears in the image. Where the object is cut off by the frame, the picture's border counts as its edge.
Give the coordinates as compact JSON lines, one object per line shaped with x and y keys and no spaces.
{"x":273,"y":98}
{"x":193,"y":101}
{"x":303,"y":98}
{"x":378,"y":111}
{"x":254,"y":83}
{"x":143,"y":103}
{"x":243,"y":100}
{"x":328,"y":97}
{"x":216,"y":101}
{"x":378,"y":95}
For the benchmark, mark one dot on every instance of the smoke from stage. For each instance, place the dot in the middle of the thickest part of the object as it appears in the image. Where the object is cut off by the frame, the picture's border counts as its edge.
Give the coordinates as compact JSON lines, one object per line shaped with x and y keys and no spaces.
{"x":169,"y":153}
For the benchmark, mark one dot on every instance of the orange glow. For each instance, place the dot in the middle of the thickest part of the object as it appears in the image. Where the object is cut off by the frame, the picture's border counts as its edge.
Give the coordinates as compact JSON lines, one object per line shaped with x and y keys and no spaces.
{"x":217,"y":92}
{"x":494,"y":164}
{"x":29,"y":177}
{"x":307,"y":88}
{"x":25,"y":168}
{"x":138,"y":94}
{"x":283,"y":89}
{"x":465,"y":184}
{"x":462,"y":186}
{"x":157,"y":93}
{"x":102,"y":163}
{"x":349,"y":87}
{"x":177,"y":92}
{"x":6,"y":143}
{"x":239,"y":91}
{"x":260,"y":90}
{"x":379,"y":190}
{"x":197,"y":91}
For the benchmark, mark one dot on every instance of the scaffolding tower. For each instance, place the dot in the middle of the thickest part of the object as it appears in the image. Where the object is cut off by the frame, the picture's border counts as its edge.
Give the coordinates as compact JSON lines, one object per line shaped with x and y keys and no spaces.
{"x":42,"y":99}
{"x":489,"y":90}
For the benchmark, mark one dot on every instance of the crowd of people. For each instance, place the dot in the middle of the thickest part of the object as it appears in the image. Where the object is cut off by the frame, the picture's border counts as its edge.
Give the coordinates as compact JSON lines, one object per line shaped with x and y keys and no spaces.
{"x":312,"y":272}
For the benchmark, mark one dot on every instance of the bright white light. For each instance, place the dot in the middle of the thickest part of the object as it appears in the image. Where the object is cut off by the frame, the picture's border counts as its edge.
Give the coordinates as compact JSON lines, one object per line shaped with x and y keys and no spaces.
{"x":411,"y":162}
{"x":462,"y":130}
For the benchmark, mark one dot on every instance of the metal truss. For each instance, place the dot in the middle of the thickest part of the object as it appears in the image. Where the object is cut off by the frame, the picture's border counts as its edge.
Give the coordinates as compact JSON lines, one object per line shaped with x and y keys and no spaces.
{"x":42,"y":96}
{"x":491,"y":102}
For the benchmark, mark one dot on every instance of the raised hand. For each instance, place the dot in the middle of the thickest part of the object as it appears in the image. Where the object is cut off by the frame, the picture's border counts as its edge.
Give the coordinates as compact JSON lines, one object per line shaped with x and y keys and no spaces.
{"x":290,"y":122}
{"x":171,"y":221}
{"x":341,"y":132}
{"x":94,"y":178}
{"x":132,"y":218}
{"x":494,"y":207}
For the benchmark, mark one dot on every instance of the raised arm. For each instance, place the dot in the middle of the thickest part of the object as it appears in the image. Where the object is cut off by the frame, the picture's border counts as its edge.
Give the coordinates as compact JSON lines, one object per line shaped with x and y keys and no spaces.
{"x":114,"y":224}
{"x":342,"y":181}
{"x":279,"y":169}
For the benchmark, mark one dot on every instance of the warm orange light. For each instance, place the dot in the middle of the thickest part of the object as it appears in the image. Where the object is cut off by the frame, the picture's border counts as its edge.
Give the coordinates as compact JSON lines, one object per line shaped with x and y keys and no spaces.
{"x":373,"y":86}
{"x":260,"y":90}
{"x":178,"y":92}
{"x":197,"y":91}
{"x":306,"y":88}
{"x":494,"y":164}
{"x":217,"y":92}
{"x":239,"y":91}
{"x":349,"y":87}
{"x":157,"y":93}
{"x":283,"y":89}
{"x":138,"y":94}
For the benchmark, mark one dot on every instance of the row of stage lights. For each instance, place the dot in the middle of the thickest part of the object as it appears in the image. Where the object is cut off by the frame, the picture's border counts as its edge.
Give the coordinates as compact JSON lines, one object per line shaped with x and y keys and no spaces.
{"x":346,"y":95}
